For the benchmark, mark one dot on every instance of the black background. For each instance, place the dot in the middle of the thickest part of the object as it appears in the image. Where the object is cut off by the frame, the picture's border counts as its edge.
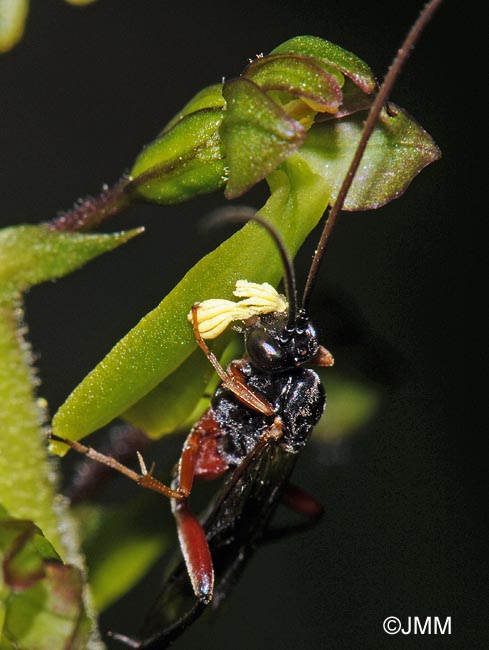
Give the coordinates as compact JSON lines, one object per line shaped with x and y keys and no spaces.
{"x":403,"y":531}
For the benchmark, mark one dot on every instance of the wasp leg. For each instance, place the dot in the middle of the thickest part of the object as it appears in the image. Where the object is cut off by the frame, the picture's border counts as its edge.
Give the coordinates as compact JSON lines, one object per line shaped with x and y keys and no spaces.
{"x":188,"y":461}
{"x":300,"y":501}
{"x":200,"y":457}
{"x":232,"y":380}
{"x":88,"y":477}
{"x":322,"y":358}
{"x":200,"y":454}
{"x":145,"y":479}
{"x":193,"y":541}
{"x":195,"y":549}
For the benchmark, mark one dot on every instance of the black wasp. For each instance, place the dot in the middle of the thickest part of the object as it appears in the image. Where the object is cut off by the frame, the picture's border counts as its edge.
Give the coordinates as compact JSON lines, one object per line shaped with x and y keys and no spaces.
{"x":260,"y":418}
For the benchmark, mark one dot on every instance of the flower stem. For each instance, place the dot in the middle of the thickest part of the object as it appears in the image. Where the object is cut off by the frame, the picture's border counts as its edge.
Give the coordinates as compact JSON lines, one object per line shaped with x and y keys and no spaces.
{"x":92,"y":211}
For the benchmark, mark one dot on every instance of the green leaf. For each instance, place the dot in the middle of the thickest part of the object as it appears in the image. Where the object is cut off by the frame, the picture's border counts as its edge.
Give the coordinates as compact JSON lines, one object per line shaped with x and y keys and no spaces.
{"x":184,"y":161}
{"x":175,"y":401}
{"x":42,"y":598}
{"x":257,"y":135}
{"x":167,"y":406}
{"x":30,"y":255}
{"x":398,"y":149}
{"x":163,"y":339}
{"x":13,"y":15}
{"x":300,"y":76}
{"x":343,"y":60}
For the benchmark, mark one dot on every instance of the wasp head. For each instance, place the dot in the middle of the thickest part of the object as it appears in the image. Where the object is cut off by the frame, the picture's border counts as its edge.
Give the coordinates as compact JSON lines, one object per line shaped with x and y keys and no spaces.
{"x":273,"y":344}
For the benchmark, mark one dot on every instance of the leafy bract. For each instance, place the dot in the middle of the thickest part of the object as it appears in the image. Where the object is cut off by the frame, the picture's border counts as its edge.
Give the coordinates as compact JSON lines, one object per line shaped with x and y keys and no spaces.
{"x":257,"y":135}
{"x":208,"y":97}
{"x":163,"y":339}
{"x":300,"y":76}
{"x":30,"y":255}
{"x":237,"y":133}
{"x":185,"y":160}
{"x":334,"y":55}
{"x":398,"y":149}
{"x":41,"y":598}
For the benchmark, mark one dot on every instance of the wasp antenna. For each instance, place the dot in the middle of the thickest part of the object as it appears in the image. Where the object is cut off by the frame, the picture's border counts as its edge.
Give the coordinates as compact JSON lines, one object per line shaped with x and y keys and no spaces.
{"x":243,"y":213}
{"x":380,"y":101}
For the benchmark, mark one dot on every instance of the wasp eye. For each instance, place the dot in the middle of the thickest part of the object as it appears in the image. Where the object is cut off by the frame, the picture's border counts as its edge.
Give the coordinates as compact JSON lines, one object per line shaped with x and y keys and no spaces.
{"x":265,"y":350}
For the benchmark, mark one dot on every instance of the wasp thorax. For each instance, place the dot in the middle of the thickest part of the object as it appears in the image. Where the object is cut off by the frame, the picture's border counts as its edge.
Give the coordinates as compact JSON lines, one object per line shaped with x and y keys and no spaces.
{"x":274,"y":345}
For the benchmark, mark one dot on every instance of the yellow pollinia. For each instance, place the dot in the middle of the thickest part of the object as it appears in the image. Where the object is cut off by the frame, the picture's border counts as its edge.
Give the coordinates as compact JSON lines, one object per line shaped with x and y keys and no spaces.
{"x":214,"y":315}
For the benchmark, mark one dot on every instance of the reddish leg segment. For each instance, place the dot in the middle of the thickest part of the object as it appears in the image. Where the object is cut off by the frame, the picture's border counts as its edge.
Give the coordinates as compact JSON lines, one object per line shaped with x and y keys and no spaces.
{"x":200,"y":454}
{"x":195,"y":549}
{"x":301,"y":502}
{"x":193,"y":541}
{"x":200,"y":457}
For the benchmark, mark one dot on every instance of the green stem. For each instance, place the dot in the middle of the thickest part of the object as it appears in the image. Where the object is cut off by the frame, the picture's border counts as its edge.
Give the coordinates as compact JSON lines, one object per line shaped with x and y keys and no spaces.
{"x":26,"y":478}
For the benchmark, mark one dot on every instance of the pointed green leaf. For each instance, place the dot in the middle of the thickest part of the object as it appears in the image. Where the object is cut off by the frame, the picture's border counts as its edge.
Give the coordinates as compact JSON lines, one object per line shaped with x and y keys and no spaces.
{"x":163,"y":339}
{"x":167,"y":406}
{"x":398,"y":149}
{"x":300,"y":76}
{"x":184,"y":161}
{"x":30,"y":255}
{"x":175,"y":401}
{"x":257,"y":135}
{"x":343,"y":60}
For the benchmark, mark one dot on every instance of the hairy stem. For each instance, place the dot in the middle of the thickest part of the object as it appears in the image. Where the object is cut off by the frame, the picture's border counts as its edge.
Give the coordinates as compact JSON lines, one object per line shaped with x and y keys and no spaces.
{"x":92,"y":211}
{"x":26,"y":485}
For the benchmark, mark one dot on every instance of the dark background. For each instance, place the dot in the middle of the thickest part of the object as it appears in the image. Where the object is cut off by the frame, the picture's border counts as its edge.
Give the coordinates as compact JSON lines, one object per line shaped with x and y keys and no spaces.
{"x":403,"y":530}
